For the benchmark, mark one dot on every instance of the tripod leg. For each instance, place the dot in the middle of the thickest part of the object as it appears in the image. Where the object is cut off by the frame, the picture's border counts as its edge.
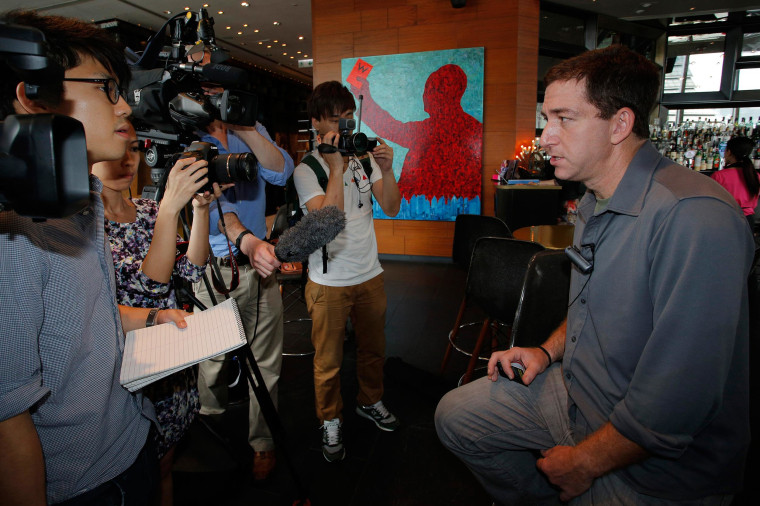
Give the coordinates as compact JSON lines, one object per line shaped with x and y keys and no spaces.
{"x":268,"y":410}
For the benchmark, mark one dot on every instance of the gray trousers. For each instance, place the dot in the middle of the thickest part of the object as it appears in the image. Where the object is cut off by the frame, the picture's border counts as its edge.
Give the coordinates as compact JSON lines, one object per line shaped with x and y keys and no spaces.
{"x":498,"y":430}
{"x":266,"y":348}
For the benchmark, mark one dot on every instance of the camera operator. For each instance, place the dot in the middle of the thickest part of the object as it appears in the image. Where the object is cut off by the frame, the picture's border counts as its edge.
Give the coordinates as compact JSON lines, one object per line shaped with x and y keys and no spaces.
{"x":144,"y":246}
{"x":257,"y":294}
{"x":352,"y":279}
{"x":69,"y":432}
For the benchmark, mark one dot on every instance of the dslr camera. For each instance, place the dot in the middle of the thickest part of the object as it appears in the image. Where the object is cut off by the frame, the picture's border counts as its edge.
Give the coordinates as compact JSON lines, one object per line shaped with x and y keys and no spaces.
{"x":353,"y":143}
{"x":222,"y":169}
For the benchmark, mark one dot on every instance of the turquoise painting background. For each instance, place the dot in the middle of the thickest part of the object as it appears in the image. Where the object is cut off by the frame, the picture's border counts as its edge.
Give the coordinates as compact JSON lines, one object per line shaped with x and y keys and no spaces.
{"x":397,"y":82}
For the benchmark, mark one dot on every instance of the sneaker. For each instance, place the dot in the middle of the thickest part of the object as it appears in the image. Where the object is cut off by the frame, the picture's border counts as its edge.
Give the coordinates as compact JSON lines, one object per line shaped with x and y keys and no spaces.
{"x":379,"y":414}
{"x":332,"y":440}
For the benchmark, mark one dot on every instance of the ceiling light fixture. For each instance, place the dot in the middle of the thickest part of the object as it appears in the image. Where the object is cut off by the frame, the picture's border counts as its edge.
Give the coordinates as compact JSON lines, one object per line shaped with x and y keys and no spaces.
{"x":229,"y":27}
{"x":240,"y":33}
{"x":244,"y":4}
{"x":167,"y":12}
{"x":220,"y":12}
{"x":284,"y":44}
{"x":245,"y":25}
{"x":187,"y":8}
{"x":300,"y":37}
{"x":276,"y":23}
{"x":256,"y":30}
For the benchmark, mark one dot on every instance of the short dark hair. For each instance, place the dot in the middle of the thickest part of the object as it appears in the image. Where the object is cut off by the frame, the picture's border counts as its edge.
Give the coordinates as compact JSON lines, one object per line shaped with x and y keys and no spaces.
{"x":615,"y":77}
{"x":67,"y":40}
{"x":329,"y":98}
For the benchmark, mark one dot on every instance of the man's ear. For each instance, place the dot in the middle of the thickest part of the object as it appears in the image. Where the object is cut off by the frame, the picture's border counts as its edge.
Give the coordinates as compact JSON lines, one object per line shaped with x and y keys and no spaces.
{"x":622,"y":126}
{"x":26,"y":104}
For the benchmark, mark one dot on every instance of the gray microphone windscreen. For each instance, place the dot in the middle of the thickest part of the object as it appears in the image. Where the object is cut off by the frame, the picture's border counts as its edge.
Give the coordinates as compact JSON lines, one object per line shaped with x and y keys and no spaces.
{"x":311,"y":233}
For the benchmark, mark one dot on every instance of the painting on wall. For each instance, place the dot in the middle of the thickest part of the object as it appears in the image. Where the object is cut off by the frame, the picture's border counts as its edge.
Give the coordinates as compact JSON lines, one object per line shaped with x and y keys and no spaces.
{"x":429,"y":108}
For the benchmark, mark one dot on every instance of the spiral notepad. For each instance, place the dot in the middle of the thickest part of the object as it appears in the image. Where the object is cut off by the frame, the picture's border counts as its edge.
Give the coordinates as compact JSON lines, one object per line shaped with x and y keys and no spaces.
{"x":155,"y":352}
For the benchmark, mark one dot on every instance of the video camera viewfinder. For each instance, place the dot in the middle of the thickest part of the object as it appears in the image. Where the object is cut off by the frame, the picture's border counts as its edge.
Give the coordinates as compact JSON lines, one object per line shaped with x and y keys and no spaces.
{"x":43,"y":157}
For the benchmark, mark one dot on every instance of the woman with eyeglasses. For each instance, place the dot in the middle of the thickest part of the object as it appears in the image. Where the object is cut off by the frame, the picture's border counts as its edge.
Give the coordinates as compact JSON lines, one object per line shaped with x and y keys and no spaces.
{"x":144,"y":245}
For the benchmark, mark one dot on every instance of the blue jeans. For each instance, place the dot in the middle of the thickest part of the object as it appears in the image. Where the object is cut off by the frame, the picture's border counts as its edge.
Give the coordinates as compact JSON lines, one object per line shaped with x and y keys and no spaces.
{"x":134,"y":487}
{"x":498,"y":429}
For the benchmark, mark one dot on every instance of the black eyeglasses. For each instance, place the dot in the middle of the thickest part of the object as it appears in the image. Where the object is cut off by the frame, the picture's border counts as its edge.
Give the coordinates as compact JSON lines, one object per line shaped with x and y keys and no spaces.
{"x":110,"y":87}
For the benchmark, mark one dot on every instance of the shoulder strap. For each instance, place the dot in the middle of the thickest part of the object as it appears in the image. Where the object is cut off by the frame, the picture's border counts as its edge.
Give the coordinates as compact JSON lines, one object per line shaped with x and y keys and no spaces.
{"x":367,"y":166}
{"x":318,"y":170}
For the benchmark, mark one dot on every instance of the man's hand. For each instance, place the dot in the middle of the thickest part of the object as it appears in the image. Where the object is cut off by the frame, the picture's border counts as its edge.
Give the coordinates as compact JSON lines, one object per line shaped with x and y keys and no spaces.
{"x":260,"y":254}
{"x":383,"y":154}
{"x":334,"y":160}
{"x":533,"y":359}
{"x":567,"y":468}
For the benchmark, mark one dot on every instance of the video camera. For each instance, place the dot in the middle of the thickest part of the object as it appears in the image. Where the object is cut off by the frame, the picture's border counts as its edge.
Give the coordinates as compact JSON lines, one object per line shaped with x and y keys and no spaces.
{"x":167,"y":96}
{"x":43,"y":157}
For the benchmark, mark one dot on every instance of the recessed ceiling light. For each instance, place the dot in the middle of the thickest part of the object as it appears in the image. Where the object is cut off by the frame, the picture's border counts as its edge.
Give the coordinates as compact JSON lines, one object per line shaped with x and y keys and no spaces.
{"x":291,"y":57}
{"x":205,"y":5}
{"x":269,"y":47}
{"x":300,"y":37}
{"x":284,"y":44}
{"x":306,"y":56}
{"x":240,"y":33}
{"x":284,"y":54}
{"x":256,"y":30}
{"x":220,"y":12}
{"x":691,"y":8}
{"x":276,"y":41}
{"x":298,"y":52}
{"x":244,"y":4}
{"x":167,"y":12}
{"x":260,"y":43}
{"x":245,"y":25}
{"x":187,"y":8}
{"x":276,"y":23}
{"x":229,"y":27}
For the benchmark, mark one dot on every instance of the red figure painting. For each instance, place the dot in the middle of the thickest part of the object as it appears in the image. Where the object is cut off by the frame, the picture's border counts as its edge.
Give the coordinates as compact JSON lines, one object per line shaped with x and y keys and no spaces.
{"x":445,"y":150}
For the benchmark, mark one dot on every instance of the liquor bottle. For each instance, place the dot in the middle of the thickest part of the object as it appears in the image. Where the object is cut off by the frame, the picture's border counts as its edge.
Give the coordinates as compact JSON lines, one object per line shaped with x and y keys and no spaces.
{"x":698,"y":159}
{"x":716,"y":159}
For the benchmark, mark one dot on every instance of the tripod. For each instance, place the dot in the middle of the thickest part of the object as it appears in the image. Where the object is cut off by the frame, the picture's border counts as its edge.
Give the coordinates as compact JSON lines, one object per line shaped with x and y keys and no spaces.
{"x":256,"y":381}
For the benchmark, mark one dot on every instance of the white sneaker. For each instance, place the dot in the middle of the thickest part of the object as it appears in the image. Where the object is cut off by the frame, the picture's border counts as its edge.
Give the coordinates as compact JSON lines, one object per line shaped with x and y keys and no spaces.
{"x":379,"y":414}
{"x":332,"y":440}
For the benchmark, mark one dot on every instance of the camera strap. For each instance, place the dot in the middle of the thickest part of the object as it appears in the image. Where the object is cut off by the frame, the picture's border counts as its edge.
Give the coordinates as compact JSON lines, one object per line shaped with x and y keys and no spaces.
{"x":216,"y":274}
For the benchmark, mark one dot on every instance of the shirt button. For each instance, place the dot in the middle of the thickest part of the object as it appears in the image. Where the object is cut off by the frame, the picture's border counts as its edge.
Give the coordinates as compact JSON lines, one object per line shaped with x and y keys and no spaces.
{"x":583,"y":301}
{"x":85,"y":212}
{"x":568,"y":376}
{"x":572,"y":339}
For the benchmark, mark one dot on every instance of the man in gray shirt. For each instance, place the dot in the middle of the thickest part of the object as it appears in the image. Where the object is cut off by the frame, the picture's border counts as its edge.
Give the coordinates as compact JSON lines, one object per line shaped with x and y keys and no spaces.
{"x":641,"y":396}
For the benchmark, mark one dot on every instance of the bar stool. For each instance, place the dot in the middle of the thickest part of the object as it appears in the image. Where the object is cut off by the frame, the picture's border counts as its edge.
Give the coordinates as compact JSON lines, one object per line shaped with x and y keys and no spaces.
{"x":494,"y":282}
{"x":543,"y":299}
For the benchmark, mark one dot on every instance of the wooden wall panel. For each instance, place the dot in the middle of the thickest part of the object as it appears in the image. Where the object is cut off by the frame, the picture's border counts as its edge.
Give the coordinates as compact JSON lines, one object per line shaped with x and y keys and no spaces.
{"x":402,"y":16}
{"x":508,"y":30}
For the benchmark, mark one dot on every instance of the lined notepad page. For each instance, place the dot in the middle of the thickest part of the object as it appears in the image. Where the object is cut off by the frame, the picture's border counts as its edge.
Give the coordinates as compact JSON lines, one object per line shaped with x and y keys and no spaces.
{"x":156,"y":352}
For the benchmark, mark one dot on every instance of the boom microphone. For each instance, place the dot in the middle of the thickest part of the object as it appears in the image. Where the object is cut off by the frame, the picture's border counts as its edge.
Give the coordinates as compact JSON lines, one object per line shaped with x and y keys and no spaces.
{"x":311,"y":233}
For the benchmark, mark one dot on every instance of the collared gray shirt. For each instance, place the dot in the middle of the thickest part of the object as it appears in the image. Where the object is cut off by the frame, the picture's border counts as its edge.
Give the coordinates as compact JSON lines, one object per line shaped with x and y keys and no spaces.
{"x":657,"y":335}
{"x":61,"y":348}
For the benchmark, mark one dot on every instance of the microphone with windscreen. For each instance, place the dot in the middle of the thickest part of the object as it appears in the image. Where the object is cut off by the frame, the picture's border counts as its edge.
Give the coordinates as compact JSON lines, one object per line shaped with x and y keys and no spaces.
{"x":314,"y":231}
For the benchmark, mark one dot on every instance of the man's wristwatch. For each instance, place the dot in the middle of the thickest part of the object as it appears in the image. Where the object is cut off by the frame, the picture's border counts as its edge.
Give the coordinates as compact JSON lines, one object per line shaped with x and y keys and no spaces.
{"x":152,"y":317}
{"x":240,"y":237}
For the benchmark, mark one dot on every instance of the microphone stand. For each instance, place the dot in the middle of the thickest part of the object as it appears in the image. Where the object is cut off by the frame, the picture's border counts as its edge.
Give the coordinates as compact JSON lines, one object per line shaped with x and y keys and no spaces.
{"x":259,"y":387}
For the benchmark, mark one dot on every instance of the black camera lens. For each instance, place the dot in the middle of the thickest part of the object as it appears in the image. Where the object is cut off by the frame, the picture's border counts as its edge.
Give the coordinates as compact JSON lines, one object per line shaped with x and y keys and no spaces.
{"x":232,"y":168}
